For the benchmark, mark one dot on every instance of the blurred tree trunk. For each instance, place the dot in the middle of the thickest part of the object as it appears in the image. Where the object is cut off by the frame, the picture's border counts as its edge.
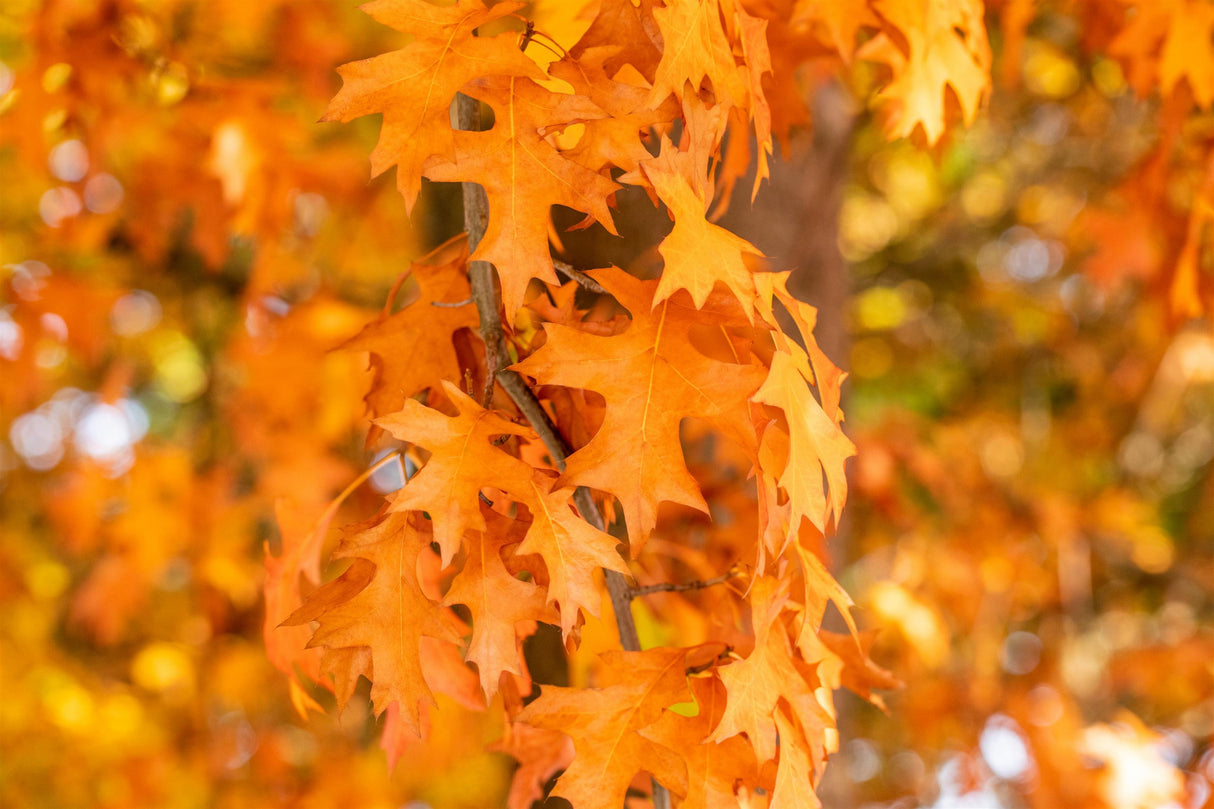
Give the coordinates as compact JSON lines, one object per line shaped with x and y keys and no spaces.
{"x":795,"y":218}
{"x":795,"y":222}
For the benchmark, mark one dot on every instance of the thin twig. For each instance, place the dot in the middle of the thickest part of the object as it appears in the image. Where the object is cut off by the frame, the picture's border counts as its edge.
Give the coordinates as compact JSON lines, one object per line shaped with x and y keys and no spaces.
{"x":671,"y":587}
{"x":480,"y":276}
{"x":584,"y":280}
{"x":451,"y":304}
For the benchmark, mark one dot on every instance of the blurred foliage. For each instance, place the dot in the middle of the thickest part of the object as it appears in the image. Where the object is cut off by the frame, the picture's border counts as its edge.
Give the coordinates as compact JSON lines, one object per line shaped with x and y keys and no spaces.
{"x":1034,"y":500}
{"x":181,"y":248}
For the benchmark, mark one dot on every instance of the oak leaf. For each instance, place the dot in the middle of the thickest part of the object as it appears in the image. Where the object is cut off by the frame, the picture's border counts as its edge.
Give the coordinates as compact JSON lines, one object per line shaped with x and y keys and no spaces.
{"x":946,"y":49}
{"x":757,"y":684}
{"x":652,"y":376}
{"x":302,"y":542}
{"x":630,"y":30}
{"x":413,"y":87}
{"x":808,"y":440}
{"x":604,"y":724}
{"x":541,"y":754}
{"x":413,"y":347}
{"x":860,"y":674}
{"x":698,"y":254}
{"x":1167,"y":41}
{"x":463,"y":461}
{"x":696,"y":47}
{"x":496,"y":599}
{"x":714,"y":769}
{"x":796,"y":775}
{"x":389,"y":614}
{"x":572,"y":550}
{"x":840,"y":22}
{"x":524,"y":175}
{"x":752,"y":36}
{"x":619,"y":139}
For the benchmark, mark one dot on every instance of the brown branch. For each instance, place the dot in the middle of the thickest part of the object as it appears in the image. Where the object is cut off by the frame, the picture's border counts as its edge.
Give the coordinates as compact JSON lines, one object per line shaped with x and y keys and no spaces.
{"x":480,"y":273}
{"x":671,"y":587}
{"x":480,"y":276}
{"x":475,"y":219}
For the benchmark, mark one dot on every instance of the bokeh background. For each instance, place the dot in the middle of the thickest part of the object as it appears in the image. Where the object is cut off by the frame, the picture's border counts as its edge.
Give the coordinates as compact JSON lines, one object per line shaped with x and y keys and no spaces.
{"x":182,"y":247}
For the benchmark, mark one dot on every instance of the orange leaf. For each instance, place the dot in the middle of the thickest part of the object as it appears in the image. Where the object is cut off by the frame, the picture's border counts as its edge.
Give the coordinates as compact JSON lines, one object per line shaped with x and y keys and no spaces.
{"x":714,"y":769}
{"x":413,"y":348}
{"x":945,"y":48}
{"x":413,"y":87}
{"x":604,"y":725}
{"x":698,"y":254}
{"x":463,"y":461}
{"x":696,"y":48}
{"x":757,"y":684}
{"x":523,"y":176}
{"x":572,"y":550}
{"x":390,"y":614}
{"x":497,"y":601}
{"x":652,"y":376}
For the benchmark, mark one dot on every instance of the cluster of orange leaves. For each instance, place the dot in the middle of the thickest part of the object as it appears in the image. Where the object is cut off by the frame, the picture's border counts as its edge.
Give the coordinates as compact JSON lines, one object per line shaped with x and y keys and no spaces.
{"x":1153,"y":226}
{"x":488,"y":522}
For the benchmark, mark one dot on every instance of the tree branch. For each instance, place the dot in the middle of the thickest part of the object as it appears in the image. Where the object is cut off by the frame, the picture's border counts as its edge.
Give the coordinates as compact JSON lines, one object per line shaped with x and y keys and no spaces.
{"x":484,"y":293}
{"x":480,"y":273}
{"x":671,"y":587}
{"x":476,"y":217}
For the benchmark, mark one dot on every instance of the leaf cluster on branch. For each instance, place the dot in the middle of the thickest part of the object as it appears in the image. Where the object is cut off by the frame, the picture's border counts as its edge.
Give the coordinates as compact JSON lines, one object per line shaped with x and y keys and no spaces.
{"x":602,"y":378}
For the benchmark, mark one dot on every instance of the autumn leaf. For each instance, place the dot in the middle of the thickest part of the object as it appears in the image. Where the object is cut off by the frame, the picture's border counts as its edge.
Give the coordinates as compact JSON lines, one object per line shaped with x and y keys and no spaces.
{"x":524,"y":175}
{"x":715,"y":770}
{"x":796,"y":776}
{"x":695,"y":48}
{"x":573,"y":551}
{"x":945,"y":49}
{"x":463,"y":460}
{"x":821,"y":587}
{"x":496,"y":599}
{"x":302,"y":543}
{"x":840,"y":22}
{"x":652,"y":376}
{"x":413,"y":348}
{"x":756,"y":684}
{"x":860,"y":674}
{"x":388,"y":611}
{"x":541,"y":754}
{"x":413,"y":87}
{"x":698,"y":254}
{"x":1167,"y":42}
{"x":629,"y":30}
{"x":619,"y":138}
{"x":752,"y":35}
{"x":604,"y":724}
{"x":812,"y":445}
